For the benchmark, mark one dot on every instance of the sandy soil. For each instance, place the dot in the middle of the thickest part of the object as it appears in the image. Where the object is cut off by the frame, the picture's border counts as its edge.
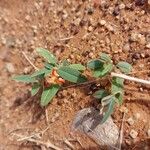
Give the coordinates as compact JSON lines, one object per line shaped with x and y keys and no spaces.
{"x":120,"y":28}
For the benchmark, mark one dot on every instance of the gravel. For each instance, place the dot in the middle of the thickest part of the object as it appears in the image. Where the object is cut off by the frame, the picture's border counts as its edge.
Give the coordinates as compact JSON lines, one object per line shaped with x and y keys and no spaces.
{"x":10,"y":67}
{"x":130,"y":121}
{"x":133,"y":134}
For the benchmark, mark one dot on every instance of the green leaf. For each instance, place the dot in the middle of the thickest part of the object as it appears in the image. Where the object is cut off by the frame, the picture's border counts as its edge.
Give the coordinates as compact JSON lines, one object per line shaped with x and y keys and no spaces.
{"x":38,"y":73}
{"x":48,"y":94}
{"x":48,"y":66}
{"x":119,"y":98}
{"x":105,"y":58}
{"x":100,"y":94}
{"x":77,"y":67}
{"x":106,"y":100}
{"x":117,"y":85}
{"x":117,"y":89}
{"x":109,"y":110}
{"x":43,"y":72}
{"x":35,"y":89}
{"x":47,"y":55}
{"x":24,"y":78}
{"x":124,"y":67}
{"x":65,"y":63}
{"x":95,"y":64}
{"x":107,"y":68}
{"x":71,"y":74}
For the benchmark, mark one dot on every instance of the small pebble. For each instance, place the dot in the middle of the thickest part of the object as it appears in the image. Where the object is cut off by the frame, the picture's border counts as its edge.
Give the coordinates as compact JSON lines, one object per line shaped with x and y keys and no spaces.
{"x":10,"y":67}
{"x":122,"y":6}
{"x":28,"y":18}
{"x":77,"y":21}
{"x":116,"y":11}
{"x":90,"y":11}
{"x":137,"y":116}
{"x":90,"y":28}
{"x":134,"y":37}
{"x":102,"y":22}
{"x":148,"y":45}
{"x":27,"y":70}
{"x":136,"y":56}
{"x":141,"y":39}
{"x":126,"y":47}
{"x":130,"y":121}
{"x":110,"y":28}
{"x":124,"y":109}
{"x":91,"y":55}
{"x":133,"y":134}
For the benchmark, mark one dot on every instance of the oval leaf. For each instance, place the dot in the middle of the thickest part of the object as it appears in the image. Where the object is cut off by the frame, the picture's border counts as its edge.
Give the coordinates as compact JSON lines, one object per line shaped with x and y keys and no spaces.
{"x":109,"y":110}
{"x":47,"y":55}
{"x":48,"y":94}
{"x":77,"y":67}
{"x":94,"y":64}
{"x":41,"y":72}
{"x":107,"y":68}
{"x":24,"y":78}
{"x":71,"y":74}
{"x":117,"y":85}
{"x":117,"y":89}
{"x":105,"y":58}
{"x":124,"y":67}
{"x":106,"y":100}
{"x":100,"y":94}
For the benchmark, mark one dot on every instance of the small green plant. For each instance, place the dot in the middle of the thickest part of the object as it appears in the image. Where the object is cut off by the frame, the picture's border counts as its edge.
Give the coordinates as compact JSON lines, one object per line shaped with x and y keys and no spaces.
{"x":52,"y":76}
{"x":102,"y":67}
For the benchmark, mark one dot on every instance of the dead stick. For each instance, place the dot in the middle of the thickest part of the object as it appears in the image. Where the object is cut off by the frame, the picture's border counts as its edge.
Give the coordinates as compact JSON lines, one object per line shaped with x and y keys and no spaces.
{"x":68,"y":144}
{"x":36,"y":68}
{"x":47,"y":144}
{"x":121,"y":132}
{"x":123,"y":76}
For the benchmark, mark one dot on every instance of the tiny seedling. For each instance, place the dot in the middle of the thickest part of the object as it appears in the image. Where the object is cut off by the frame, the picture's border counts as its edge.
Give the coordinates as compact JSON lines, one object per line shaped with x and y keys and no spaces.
{"x":52,"y":76}
{"x":102,"y":67}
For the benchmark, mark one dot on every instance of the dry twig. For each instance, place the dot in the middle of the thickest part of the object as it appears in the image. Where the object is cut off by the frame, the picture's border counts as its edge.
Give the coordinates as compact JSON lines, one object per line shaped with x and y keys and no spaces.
{"x":121,"y":132}
{"x":123,"y":76}
{"x":67,"y":38}
{"x":68,"y":144}
{"x":47,"y":144}
{"x":26,"y":57}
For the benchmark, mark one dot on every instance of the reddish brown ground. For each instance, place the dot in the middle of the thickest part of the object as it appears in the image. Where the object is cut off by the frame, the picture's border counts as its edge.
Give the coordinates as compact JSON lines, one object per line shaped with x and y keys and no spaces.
{"x":26,"y":24}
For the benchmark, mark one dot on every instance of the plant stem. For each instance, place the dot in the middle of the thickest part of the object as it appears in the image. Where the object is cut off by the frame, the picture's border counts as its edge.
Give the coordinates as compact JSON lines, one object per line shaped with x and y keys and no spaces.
{"x":82,"y":84}
{"x":113,"y":74}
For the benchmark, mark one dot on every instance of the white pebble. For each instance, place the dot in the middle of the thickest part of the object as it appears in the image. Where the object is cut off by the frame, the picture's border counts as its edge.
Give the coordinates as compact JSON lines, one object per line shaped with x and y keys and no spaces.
{"x":102,"y":22}
{"x":148,"y":45}
{"x":122,"y":6}
{"x":133,"y":134}
{"x":130,"y":121}
{"x":10,"y":67}
{"x":90,"y":28}
{"x":137,"y":116}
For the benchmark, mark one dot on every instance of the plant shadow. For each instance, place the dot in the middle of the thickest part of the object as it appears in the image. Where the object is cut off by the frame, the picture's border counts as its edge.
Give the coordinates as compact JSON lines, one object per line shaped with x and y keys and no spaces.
{"x":30,"y":103}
